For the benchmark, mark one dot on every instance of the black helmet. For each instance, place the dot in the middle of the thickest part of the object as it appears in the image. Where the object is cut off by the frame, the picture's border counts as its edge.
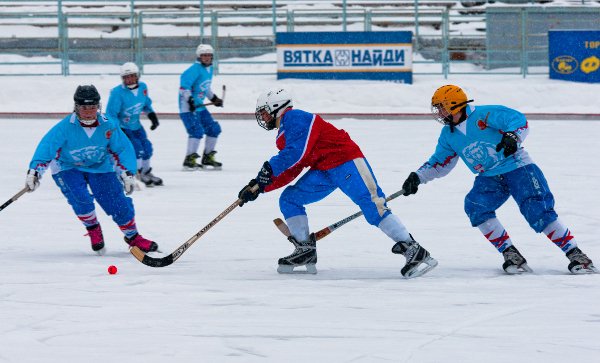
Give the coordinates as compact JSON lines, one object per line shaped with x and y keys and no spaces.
{"x":86,"y":95}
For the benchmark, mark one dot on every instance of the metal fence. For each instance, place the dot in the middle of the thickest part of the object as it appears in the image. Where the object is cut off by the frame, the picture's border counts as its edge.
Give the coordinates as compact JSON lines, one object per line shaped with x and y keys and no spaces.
{"x":448,"y":38}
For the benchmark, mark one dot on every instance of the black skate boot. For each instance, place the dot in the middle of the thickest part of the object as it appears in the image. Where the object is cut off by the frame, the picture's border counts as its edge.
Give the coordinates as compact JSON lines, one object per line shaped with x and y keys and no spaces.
{"x":150,"y":178}
{"x":580,"y":262}
{"x":209,"y":160}
{"x":305,"y":254}
{"x":418,"y":260}
{"x":190,"y":164}
{"x":514,"y":262}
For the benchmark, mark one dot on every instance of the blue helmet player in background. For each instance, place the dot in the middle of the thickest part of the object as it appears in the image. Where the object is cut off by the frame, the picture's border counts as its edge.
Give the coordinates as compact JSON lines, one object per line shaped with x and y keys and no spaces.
{"x":194,"y":88}
{"x":488,"y":139}
{"x":87,"y":149}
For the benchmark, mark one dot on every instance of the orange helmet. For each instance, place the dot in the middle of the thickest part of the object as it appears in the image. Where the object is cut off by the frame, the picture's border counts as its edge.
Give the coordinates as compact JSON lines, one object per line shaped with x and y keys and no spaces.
{"x":447,"y":101}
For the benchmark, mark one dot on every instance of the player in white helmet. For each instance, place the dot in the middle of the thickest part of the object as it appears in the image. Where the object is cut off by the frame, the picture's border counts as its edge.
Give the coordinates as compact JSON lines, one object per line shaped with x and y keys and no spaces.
{"x":126,"y":103}
{"x":195,"y":87}
{"x":334,"y":160}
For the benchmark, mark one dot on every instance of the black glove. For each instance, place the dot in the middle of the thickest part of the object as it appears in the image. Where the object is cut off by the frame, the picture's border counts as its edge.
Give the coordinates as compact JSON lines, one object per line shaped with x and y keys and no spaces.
{"x":152,"y":117}
{"x":262,"y":180}
{"x":216,"y":101}
{"x":246,"y":194}
{"x":411,"y":184}
{"x":508,"y":143}
{"x":264,"y":176}
{"x":192,"y":104}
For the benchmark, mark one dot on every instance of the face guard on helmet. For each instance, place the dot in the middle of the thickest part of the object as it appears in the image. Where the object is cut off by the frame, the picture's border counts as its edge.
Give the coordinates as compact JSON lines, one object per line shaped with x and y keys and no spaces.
{"x":130,"y":73}
{"x":87,"y":104}
{"x":205,"y":52}
{"x":446,"y":102}
{"x":270,"y":105}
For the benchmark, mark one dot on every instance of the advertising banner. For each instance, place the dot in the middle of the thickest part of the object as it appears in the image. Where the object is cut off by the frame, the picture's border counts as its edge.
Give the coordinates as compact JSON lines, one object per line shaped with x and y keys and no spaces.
{"x":574,"y":55}
{"x":345,"y":55}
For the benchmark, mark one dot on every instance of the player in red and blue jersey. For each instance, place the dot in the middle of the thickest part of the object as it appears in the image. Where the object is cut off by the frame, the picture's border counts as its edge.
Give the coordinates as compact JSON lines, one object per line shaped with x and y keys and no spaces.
{"x":305,"y":140}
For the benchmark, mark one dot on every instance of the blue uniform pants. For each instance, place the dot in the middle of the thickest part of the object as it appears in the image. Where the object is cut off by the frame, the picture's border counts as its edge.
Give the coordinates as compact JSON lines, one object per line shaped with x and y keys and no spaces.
{"x":527,"y":185}
{"x":355,"y":178}
{"x":141,"y":144}
{"x":199,"y":123}
{"x":106,"y":189}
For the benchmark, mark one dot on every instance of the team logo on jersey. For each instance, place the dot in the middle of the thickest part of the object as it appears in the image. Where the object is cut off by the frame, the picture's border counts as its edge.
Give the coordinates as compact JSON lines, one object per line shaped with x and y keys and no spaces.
{"x":145,"y":92}
{"x":134,"y":110}
{"x":108,"y":134}
{"x":84,"y":156}
{"x":482,"y":124}
{"x":479,"y":154}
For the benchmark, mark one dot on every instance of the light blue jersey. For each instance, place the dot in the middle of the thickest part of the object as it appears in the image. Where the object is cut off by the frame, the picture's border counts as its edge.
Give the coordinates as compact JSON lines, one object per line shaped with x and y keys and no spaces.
{"x":474,"y":141}
{"x":101,"y":149}
{"x":126,"y":105}
{"x":195,"y":81}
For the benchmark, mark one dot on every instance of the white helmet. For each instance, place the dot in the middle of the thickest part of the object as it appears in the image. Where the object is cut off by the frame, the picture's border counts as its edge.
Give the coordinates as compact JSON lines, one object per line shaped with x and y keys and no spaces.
{"x":127,"y":69}
{"x":204,"y":49}
{"x":274,"y":103}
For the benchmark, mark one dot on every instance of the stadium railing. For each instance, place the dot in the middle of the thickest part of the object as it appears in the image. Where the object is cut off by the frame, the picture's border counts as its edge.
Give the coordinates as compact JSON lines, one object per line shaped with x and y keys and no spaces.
{"x":61,"y":37}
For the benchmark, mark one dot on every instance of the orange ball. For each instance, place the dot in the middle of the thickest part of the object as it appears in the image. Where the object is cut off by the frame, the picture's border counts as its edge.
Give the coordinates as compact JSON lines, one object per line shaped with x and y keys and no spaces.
{"x":112,"y":269}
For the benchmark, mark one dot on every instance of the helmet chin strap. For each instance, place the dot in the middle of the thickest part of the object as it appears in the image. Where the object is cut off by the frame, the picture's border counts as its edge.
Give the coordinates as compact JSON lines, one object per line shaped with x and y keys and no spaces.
{"x":86,"y":122}
{"x":463,"y":116}
{"x":282,"y":107}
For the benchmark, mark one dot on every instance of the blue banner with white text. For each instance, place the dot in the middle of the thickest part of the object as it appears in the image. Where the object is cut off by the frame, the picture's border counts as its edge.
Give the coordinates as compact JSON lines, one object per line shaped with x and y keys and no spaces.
{"x":345,"y":55}
{"x":574,"y":55}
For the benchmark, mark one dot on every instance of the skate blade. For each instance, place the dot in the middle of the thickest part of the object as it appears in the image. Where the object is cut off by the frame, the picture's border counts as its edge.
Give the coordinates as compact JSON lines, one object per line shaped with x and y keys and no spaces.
{"x":584,"y":271}
{"x":287,"y":269}
{"x":514,"y":270}
{"x":101,"y":252}
{"x":427,"y":265}
{"x":187,"y":168}
{"x":212,"y":168}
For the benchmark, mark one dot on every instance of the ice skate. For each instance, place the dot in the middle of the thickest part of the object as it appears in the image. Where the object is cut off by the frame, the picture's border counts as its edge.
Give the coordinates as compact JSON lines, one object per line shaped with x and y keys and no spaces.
{"x":144,"y":178}
{"x":190,"y":164}
{"x":142,"y":243}
{"x":209,"y":160}
{"x":305,"y":254}
{"x":418,"y":260}
{"x":580,"y":262}
{"x":97,"y":239}
{"x":150,"y":179}
{"x":514,"y":262}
